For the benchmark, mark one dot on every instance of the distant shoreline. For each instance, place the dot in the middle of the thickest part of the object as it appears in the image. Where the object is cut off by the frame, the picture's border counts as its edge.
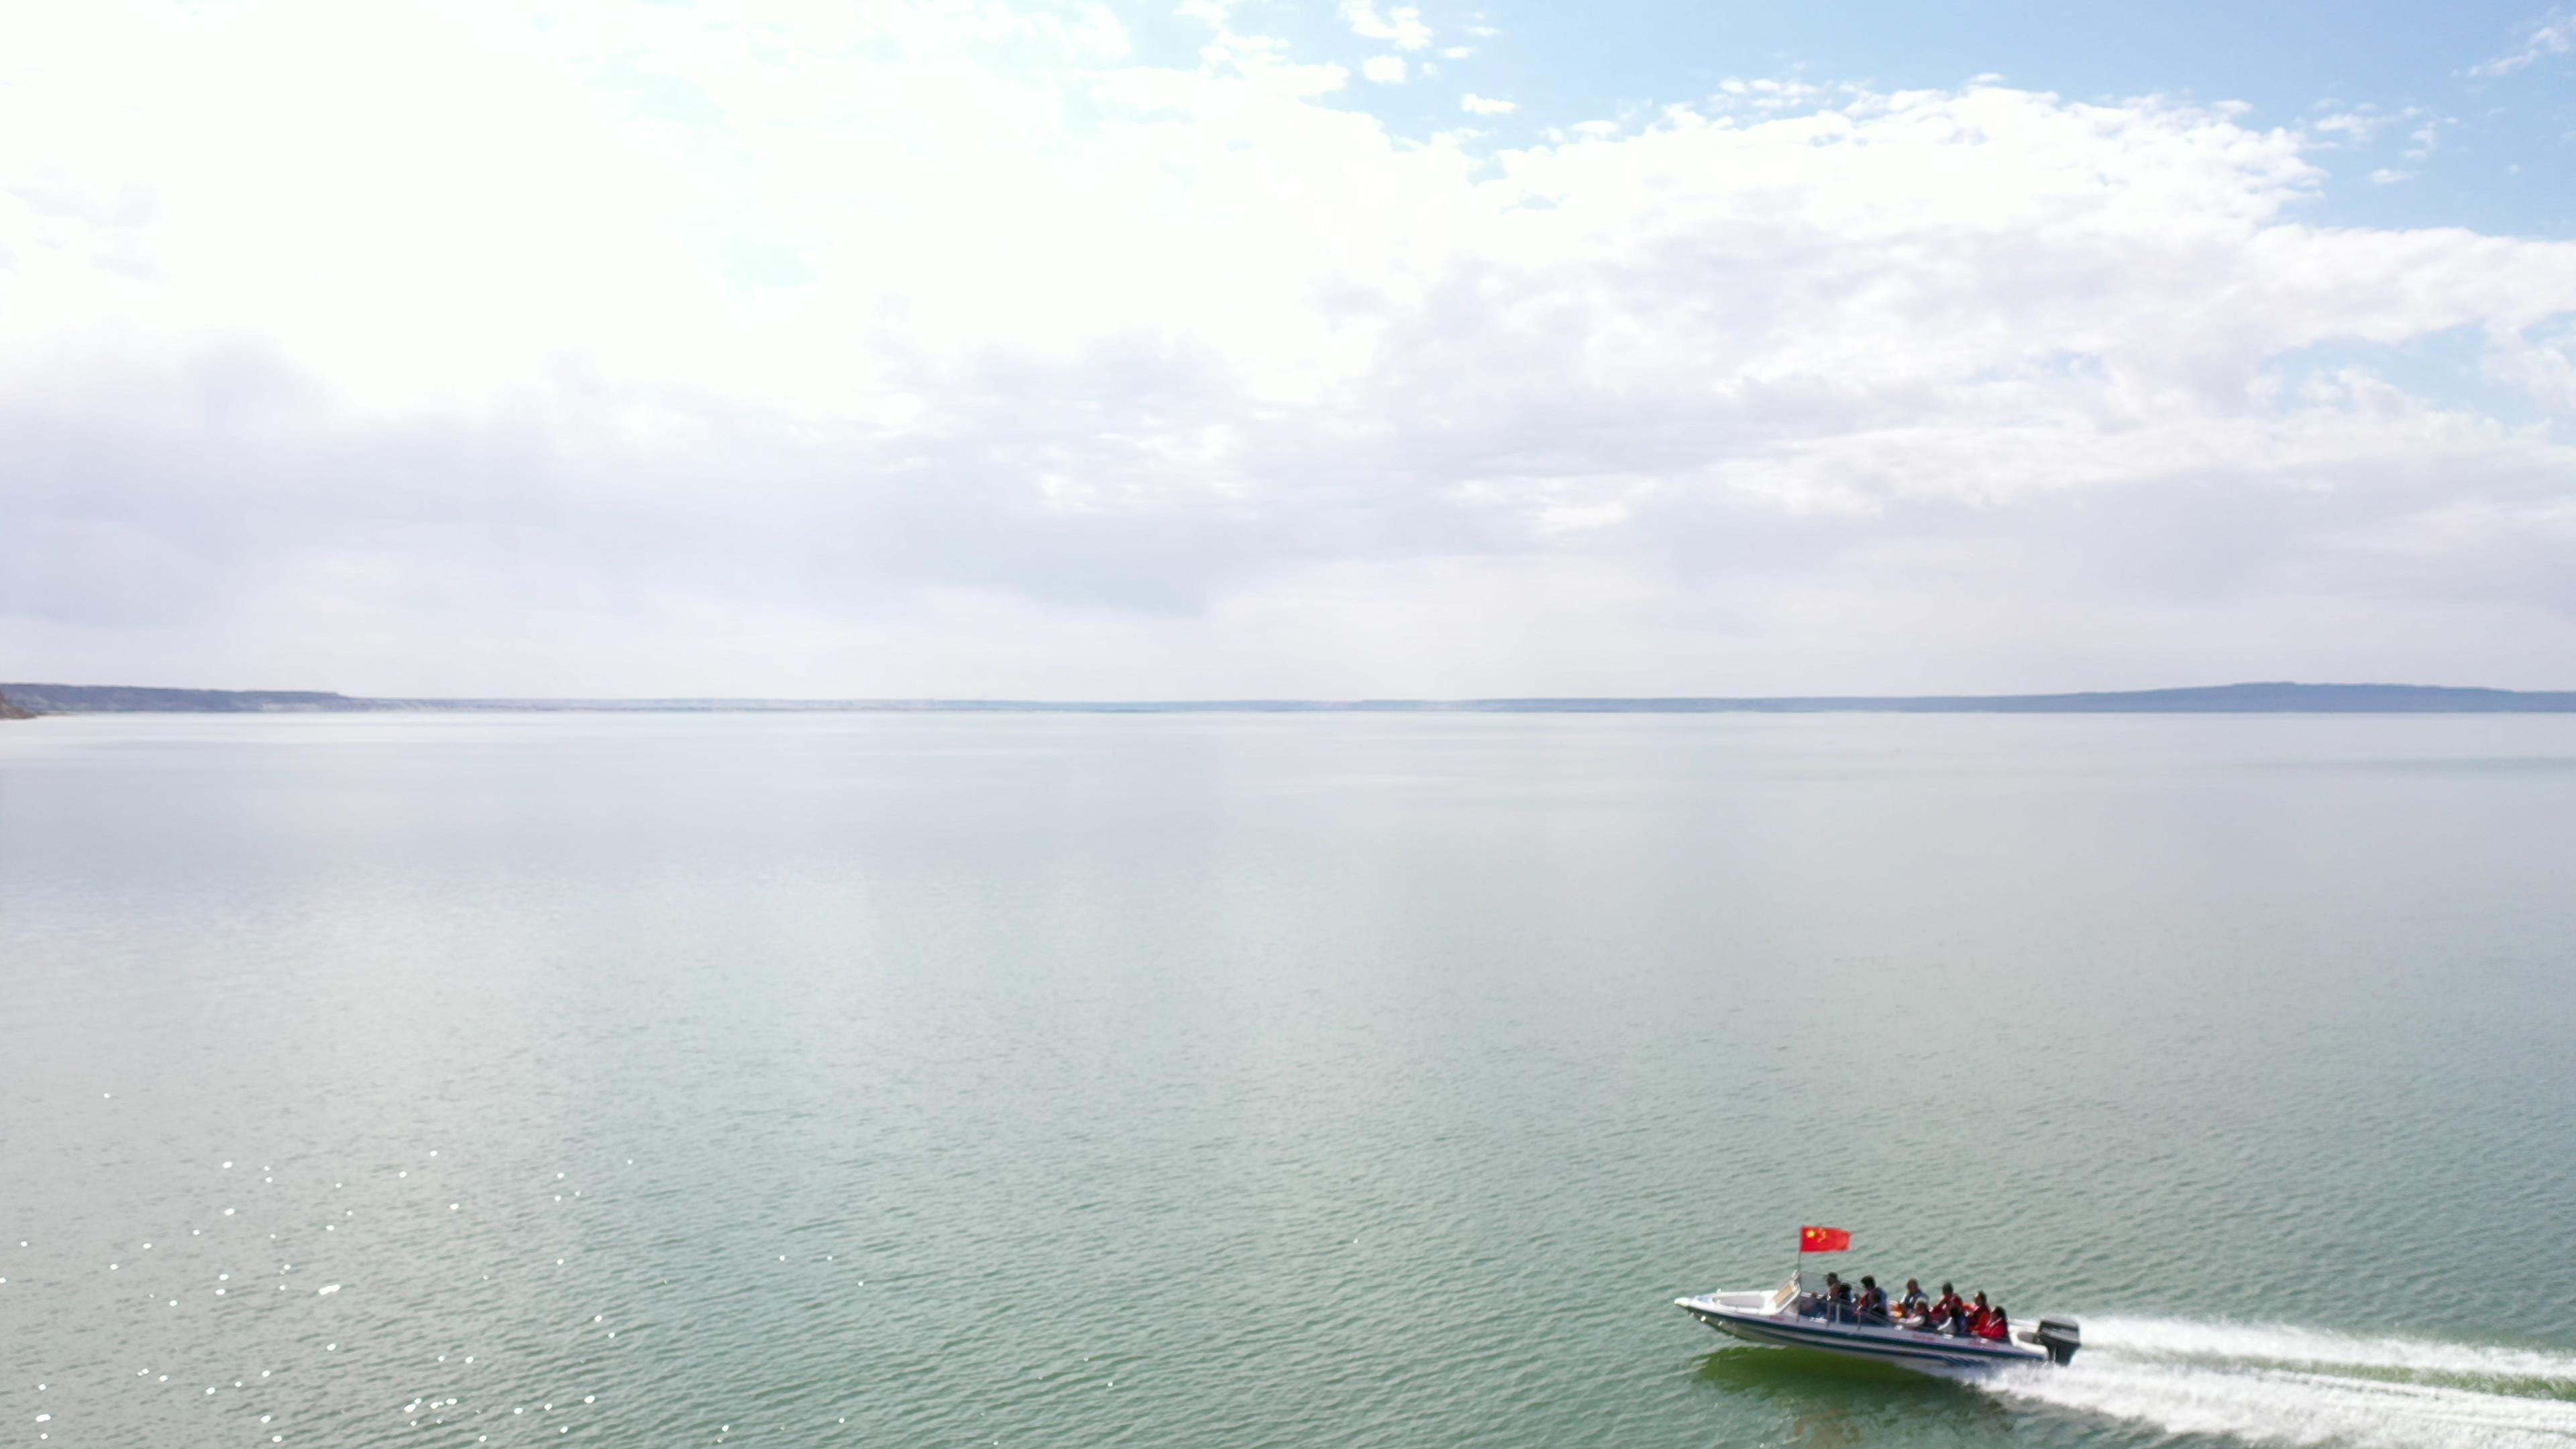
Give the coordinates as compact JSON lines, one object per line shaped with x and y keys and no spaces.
{"x":2266,"y":698}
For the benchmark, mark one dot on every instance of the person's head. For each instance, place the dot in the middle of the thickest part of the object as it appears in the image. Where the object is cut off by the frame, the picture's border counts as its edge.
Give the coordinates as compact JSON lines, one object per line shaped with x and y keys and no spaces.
{"x":1981,"y":1298}
{"x":1832,"y":1278}
{"x":1948,"y":1291}
{"x":1867,"y":1281}
{"x":1913,"y":1287}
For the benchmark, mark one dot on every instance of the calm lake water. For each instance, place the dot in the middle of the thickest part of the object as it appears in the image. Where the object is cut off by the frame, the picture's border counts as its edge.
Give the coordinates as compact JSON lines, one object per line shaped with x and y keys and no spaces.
{"x":1168,"y":1080}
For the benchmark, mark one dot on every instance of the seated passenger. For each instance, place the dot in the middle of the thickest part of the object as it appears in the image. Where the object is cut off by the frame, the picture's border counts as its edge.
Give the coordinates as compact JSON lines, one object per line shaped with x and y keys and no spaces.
{"x":1873,"y":1302}
{"x":1809,"y":1302}
{"x":1948,"y":1311}
{"x":1996,"y":1326}
{"x":1913,"y":1304}
{"x":1819,"y":1304}
{"x":1838,"y":1302}
{"x":1978,"y":1313}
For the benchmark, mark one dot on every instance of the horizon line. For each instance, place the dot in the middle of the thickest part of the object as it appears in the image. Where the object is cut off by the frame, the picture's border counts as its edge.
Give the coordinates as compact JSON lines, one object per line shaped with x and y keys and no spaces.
{"x":2283,"y":696}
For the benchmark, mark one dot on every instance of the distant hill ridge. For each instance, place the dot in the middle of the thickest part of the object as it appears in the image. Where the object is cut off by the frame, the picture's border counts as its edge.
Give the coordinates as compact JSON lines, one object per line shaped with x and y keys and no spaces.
{"x":127,"y":699}
{"x":2269,"y":698}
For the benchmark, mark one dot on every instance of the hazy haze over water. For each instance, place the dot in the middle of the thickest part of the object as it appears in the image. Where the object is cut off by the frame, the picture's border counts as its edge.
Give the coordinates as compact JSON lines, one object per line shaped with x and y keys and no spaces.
{"x":1245,"y":1080}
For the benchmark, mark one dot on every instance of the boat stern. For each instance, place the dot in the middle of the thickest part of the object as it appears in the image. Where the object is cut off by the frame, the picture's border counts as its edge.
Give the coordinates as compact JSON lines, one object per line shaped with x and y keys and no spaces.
{"x":2061,"y":1337}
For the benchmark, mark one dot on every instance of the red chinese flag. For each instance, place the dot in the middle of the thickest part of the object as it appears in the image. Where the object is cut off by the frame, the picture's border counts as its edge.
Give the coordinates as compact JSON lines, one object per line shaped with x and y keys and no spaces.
{"x":1823,"y":1240}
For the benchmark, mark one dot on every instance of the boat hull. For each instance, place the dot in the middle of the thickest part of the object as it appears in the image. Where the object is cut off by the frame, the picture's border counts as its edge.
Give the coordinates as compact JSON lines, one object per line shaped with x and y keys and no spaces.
{"x":1931,"y":1352}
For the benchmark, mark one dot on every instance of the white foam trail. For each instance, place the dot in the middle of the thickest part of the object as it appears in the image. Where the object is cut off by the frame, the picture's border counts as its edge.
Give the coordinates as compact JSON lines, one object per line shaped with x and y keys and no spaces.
{"x":2298,"y":1386}
{"x":2283,"y":1344}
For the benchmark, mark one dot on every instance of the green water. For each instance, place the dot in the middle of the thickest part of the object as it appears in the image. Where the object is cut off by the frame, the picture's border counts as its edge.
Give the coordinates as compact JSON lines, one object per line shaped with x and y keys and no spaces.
{"x":1276,"y":1081}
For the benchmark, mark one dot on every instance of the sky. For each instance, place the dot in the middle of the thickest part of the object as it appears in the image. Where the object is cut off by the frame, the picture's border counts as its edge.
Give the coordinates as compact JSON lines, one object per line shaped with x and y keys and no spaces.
{"x":1239,"y":348}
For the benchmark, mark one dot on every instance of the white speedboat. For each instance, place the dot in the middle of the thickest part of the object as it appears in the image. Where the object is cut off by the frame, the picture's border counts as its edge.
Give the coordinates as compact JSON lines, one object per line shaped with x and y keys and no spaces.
{"x":1793,"y":1318}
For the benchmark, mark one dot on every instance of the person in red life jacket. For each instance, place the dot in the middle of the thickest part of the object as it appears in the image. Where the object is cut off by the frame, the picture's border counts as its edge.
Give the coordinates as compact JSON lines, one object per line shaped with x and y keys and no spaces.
{"x":1948,"y":1311}
{"x":1996,"y":1326}
{"x":1978,"y":1313}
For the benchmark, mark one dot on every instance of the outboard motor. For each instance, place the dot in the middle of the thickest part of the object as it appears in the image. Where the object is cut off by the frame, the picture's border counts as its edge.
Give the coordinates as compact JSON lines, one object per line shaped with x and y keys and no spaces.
{"x":2060,"y":1337}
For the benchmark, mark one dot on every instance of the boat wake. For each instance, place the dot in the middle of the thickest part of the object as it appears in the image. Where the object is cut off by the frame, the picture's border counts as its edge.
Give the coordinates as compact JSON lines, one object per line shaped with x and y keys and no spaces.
{"x":2297,"y":1386}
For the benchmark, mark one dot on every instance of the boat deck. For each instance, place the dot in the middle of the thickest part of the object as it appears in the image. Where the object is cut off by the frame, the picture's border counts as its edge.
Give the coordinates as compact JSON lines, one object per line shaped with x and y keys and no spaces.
{"x":1767,"y":1318}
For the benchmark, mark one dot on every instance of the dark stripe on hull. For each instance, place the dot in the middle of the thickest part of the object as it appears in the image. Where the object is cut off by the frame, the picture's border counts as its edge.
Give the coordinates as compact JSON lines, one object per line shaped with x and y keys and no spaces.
{"x":1951,"y":1354}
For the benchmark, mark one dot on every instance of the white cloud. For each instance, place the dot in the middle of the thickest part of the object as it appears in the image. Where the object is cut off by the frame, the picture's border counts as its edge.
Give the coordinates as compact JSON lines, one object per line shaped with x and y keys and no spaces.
{"x":1476,"y":105}
{"x":2362,"y":124}
{"x":2542,"y":363}
{"x":1386,"y":70}
{"x":961,"y":351}
{"x":1400,"y":27}
{"x":2553,"y":36}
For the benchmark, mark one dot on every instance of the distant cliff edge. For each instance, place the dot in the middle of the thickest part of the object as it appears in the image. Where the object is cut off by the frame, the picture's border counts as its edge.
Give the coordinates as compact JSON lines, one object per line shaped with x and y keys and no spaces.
{"x":2281,"y":698}
{"x":11,"y":709}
